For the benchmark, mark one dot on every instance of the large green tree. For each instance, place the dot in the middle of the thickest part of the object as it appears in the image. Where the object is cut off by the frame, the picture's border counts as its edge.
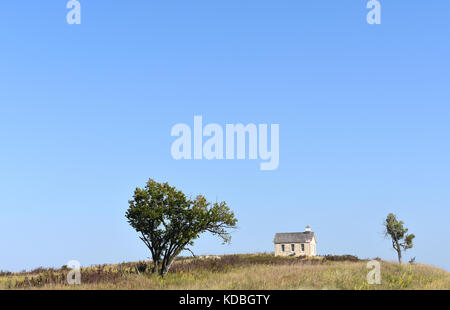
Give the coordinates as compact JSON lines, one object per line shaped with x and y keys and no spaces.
{"x":168,"y":222}
{"x":401,"y":240}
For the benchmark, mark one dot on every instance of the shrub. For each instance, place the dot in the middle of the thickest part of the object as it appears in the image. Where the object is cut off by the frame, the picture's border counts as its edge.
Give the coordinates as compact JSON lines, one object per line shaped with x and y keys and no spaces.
{"x":341,"y":258}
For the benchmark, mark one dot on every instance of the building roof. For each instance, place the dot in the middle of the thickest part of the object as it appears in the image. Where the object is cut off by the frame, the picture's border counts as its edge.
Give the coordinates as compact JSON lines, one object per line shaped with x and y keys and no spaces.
{"x":297,"y":237}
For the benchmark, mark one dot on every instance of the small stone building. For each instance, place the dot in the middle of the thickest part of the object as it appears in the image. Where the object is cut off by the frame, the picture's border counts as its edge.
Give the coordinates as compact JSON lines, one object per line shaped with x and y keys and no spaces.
{"x":296,"y":244}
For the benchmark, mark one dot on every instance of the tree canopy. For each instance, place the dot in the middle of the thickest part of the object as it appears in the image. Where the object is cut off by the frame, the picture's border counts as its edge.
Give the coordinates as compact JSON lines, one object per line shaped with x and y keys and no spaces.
{"x":168,"y":222}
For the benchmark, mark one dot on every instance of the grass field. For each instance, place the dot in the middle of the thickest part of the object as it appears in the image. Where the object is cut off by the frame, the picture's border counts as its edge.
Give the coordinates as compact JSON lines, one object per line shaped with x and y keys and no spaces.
{"x":240,"y":272}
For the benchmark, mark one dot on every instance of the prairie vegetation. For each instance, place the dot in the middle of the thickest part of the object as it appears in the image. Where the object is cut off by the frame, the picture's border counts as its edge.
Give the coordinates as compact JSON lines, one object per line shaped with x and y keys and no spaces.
{"x":240,"y":272}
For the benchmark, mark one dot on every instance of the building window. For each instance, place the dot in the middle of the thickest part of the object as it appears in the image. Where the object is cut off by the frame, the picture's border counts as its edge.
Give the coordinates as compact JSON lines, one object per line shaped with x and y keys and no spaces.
{"x":292,"y":247}
{"x":282,"y":248}
{"x":303,"y":248}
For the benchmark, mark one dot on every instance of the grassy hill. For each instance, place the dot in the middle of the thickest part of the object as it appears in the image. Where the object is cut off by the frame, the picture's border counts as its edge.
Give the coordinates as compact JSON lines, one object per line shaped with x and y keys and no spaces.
{"x":241,"y":272}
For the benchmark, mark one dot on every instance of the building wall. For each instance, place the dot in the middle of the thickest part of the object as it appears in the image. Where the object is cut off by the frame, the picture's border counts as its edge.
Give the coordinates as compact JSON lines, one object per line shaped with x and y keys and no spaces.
{"x":297,"y":249}
{"x":310,"y":249}
{"x":313,"y":247}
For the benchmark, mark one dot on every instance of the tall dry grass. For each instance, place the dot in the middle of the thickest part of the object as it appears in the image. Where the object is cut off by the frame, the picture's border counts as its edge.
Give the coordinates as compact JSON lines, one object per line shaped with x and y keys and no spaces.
{"x":242,"y":272}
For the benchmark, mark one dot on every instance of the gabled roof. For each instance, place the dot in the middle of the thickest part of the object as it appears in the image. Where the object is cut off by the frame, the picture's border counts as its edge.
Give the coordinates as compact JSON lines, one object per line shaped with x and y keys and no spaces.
{"x":297,"y":237}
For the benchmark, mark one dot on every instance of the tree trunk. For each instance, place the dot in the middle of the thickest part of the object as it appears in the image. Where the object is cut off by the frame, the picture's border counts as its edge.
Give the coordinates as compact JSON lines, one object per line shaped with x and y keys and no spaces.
{"x":156,"y":260}
{"x":399,"y":252}
{"x":166,"y":266}
{"x":155,"y":266}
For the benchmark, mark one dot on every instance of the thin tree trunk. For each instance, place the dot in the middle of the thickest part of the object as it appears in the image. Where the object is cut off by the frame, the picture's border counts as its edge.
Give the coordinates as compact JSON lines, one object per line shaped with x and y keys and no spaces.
{"x":155,"y":266}
{"x":156,"y":260}
{"x":169,"y":255}
{"x":163,"y":265}
{"x":399,"y":252}
{"x":166,"y":266}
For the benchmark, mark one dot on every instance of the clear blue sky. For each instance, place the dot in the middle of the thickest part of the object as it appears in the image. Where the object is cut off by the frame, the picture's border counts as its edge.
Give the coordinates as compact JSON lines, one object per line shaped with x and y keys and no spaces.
{"x":86,"y":112}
